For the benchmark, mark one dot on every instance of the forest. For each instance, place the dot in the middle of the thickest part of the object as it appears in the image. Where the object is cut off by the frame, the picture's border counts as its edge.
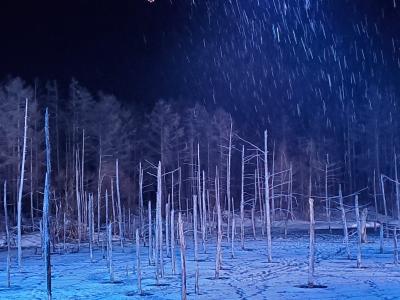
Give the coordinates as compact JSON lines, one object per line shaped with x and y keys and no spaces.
{"x":200,"y":150}
{"x":80,"y":168}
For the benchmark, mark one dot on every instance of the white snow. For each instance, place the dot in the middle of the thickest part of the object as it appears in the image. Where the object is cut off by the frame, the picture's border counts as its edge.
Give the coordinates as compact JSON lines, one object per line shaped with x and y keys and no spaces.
{"x":247,"y":276}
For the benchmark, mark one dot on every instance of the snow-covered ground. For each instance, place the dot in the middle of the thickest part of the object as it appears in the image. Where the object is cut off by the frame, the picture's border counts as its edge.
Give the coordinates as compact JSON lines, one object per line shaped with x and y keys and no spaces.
{"x":246,"y":276}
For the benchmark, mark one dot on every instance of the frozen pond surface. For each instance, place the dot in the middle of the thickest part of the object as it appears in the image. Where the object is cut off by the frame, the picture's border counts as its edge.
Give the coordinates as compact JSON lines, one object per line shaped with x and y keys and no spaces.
{"x":246,"y":276}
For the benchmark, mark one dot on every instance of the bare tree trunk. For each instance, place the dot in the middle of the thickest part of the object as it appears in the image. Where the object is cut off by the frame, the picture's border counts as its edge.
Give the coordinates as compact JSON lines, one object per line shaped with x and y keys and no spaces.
{"x":219,"y":236}
{"x":31,"y":186}
{"x":78,"y":200}
{"x":20,"y":188}
{"x":159,"y":237}
{"x":395,"y":248}
{"x":120,"y":228}
{"x":397,"y":188}
{"x":167,"y":231}
{"x":375,"y":199}
{"x":381,"y":238}
{"x":113,"y":205}
{"x":195,"y":227}
{"x":183,"y":257}
{"x":233,"y":238}
{"x":204,"y":225}
{"x":99,"y":197}
{"x":358,"y":232}
{"x":109,"y":244}
{"x":242,"y":204}
{"x":253,"y":223}
{"x":107,"y":213}
{"x":272,"y":187}
{"x":46,"y":209}
{"x":228,"y":178}
{"x":327,"y":204}
{"x":364,"y":215}
{"x":311,"y":261}
{"x":173,"y":258}
{"x":267,"y":204}
{"x":91,"y":226}
{"x":345,"y":232}
{"x":383,"y":196}
{"x":150,"y":234}
{"x":138,"y":269}
{"x":141,"y":221}
{"x":7,"y":235}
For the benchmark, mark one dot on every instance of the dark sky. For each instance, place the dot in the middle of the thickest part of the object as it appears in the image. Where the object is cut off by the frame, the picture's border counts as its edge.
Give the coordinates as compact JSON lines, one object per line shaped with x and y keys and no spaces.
{"x":234,"y":52}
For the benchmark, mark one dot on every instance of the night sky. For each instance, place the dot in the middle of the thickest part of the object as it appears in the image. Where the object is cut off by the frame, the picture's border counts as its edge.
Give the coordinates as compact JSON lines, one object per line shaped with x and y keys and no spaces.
{"x":243,"y":55}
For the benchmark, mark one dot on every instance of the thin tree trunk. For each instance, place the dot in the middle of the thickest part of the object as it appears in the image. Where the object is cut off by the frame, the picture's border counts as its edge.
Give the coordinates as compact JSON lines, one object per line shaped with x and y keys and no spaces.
{"x":219,"y":234}
{"x":7,"y":235}
{"x":110,"y":252}
{"x":46,"y":209}
{"x":183,"y":257}
{"x":196,"y":250}
{"x":242,"y":204}
{"x":383,"y":196}
{"x":395,"y":247}
{"x":99,"y":197}
{"x":91,"y":226}
{"x":120,"y":228}
{"x":150,"y":234}
{"x":358,"y":232}
{"x":20,"y":188}
{"x":345,"y":232}
{"x":381,"y":238}
{"x":138,"y":269}
{"x":311,"y":261}
{"x":173,"y":258}
{"x":397,"y":188}
{"x":267,"y":204}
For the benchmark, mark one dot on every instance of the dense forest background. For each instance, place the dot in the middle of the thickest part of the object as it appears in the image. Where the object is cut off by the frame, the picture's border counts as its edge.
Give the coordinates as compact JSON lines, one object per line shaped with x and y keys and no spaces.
{"x":354,"y":145}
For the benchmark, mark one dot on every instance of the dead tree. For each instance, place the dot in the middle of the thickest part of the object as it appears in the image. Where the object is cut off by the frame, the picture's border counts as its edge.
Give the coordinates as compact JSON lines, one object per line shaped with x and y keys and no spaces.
{"x":167,"y":231}
{"x":395,"y":248}
{"x":150,"y":234}
{"x":311,"y":259}
{"x":267,"y":200}
{"x":364,"y":215}
{"x":7,"y":235}
{"x":138,"y":269}
{"x":110,"y":253}
{"x":358,"y":232}
{"x":242,"y":204}
{"x":173,"y":258}
{"x":381,"y":238}
{"x":195,"y":227}
{"x":344,"y":222}
{"x":46,"y":209}
{"x":218,"y":259}
{"x":397,"y":188}
{"x":120,"y":228}
{"x":91,"y":226}
{"x":183,"y":257}
{"x":20,"y":188}
{"x":204,"y":211}
{"x":383,"y":196}
{"x":141,"y":220}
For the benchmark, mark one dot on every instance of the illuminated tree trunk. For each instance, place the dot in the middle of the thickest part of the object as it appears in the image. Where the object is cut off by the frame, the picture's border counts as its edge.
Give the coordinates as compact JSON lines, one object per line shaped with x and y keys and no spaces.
{"x":345,"y":231}
{"x":267,"y":200}
{"x":358,"y":232}
{"x":20,"y":188}
{"x":242,"y":204}
{"x":183,"y":257}
{"x":311,"y":261}
{"x":138,"y":268}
